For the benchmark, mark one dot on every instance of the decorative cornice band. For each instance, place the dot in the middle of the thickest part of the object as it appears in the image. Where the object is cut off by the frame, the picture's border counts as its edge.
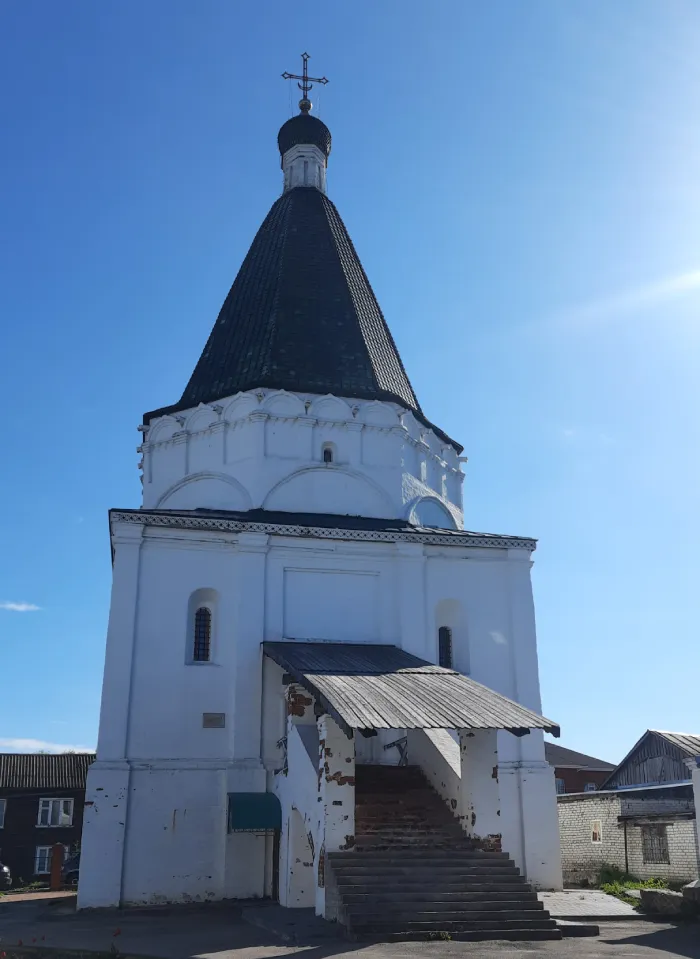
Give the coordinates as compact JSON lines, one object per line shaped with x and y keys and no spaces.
{"x":219,"y":524}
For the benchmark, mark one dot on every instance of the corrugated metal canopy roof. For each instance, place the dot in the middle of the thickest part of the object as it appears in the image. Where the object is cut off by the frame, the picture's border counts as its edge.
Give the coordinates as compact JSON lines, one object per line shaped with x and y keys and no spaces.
{"x":366,"y":686}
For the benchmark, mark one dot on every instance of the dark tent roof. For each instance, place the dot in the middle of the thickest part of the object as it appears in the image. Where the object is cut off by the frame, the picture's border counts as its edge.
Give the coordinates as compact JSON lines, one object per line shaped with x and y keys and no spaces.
{"x":373,"y":686}
{"x":301,"y":316}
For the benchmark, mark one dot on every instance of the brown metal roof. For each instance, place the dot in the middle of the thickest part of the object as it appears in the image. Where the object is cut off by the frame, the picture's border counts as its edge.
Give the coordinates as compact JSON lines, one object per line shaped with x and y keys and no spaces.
{"x":44,"y":770}
{"x":561,"y":757}
{"x":367,"y":686}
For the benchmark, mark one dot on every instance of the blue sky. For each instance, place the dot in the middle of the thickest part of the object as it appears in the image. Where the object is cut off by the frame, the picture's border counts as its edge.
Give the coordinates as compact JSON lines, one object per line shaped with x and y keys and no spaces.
{"x":521,"y":182}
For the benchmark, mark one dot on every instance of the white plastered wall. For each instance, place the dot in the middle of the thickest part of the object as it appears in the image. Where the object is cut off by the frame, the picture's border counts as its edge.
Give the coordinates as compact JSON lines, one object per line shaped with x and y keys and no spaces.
{"x":154,"y":747}
{"x":264,"y":449}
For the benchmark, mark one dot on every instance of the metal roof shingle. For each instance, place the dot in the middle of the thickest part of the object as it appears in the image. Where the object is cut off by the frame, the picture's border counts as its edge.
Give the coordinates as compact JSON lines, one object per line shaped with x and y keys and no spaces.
{"x":688,"y":742}
{"x":44,"y":770}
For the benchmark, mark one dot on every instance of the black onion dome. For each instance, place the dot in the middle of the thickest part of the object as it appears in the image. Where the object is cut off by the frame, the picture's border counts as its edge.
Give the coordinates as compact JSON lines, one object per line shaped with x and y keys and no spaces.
{"x":304,"y":129}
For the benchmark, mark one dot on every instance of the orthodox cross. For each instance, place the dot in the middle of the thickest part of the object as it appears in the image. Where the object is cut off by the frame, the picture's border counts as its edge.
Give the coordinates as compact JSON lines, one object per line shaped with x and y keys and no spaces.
{"x":306,"y":83}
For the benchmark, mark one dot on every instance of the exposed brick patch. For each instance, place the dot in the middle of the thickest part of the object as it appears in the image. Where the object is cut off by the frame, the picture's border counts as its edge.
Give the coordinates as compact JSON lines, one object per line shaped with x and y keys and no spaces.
{"x":297,"y":702}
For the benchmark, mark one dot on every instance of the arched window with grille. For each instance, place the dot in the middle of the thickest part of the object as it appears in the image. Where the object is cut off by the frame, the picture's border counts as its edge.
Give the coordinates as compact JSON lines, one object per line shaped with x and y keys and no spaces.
{"x":445,"y":647}
{"x":201,"y":648}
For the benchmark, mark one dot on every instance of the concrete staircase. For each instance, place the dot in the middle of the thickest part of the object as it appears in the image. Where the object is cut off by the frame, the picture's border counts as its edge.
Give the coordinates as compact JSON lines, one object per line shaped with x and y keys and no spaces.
{"x":414,"y":874}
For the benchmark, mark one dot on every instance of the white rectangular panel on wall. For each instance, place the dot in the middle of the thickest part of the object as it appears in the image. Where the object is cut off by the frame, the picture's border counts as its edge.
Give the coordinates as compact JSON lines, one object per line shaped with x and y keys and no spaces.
{"x":339,"y":605}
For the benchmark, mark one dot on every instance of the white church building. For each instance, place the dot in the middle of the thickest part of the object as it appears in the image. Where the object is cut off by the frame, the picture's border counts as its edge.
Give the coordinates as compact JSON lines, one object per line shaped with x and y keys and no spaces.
{"x":317,"y":683}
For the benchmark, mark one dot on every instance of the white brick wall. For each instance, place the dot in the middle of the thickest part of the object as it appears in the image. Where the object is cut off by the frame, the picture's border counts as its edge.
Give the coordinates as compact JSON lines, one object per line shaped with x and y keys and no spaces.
{"x":682,"y":851}
{"x":582,"y":858}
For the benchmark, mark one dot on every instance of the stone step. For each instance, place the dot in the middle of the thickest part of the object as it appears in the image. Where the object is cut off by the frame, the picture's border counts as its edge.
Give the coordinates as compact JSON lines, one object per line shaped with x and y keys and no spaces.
{"x":442,"y":920}
{"x":437,"y":817}
{"x":450,"y":909}
{"x":414,"y":859}
{"x":480,"y":898}
{"x":427,"y":873}
{"x":474,"y":935}
{"x":435,"y":890}
{"x":452,"y":925}
{"x":409,"y":836}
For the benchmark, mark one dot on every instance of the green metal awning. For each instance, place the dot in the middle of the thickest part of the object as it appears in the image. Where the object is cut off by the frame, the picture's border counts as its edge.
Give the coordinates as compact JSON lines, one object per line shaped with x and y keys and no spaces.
{"x":254,"y":812}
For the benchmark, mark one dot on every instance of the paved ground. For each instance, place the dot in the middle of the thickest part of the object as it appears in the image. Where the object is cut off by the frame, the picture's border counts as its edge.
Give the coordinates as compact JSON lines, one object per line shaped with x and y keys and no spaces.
{"x":32,"y":896}
{"x":586,"y":904}
{"x":220,"y":932}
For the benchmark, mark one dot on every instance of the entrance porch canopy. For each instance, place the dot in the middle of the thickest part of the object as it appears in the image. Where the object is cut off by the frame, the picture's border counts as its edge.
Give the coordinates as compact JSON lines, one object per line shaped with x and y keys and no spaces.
{"x":366,"y":686}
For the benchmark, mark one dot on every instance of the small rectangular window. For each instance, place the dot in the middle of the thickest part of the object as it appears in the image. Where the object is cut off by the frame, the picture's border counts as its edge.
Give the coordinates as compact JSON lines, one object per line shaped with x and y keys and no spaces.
{"x":55,"y":812}
{"x":2,"y":813}
{"x":42,"y":859}
{"x":445,"y":647}
{"x":590,"y":788}
{"x":654,"y":844}
{"x":596,"y":831}
{"x":561,"y":786}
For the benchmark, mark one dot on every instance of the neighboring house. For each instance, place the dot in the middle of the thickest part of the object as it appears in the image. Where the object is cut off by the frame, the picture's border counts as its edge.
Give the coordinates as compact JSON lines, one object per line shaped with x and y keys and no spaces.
{"x":643,"y":818}
{"x":41,"y":804}
{"x":575,"y":772}
{"x":658,"y":757}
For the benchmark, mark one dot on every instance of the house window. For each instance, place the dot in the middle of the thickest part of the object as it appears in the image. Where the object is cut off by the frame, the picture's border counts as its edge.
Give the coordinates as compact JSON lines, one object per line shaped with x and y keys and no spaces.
{"x":445,"y":647}
{"x":327,"y":454}
{"x":654,"y":844}
{"x":561,"y":786}
{"x":202,"y":635}
{"x":55,"y":812}
{"x":590,"y":788}
{"x":596,"y":831}
{"x":42,"y":859}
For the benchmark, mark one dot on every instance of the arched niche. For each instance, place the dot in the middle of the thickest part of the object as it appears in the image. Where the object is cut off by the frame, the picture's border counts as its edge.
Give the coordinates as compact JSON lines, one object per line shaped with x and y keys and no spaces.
{"x":379,"y":414}
{"x":240,"y":406}
{"x":320,"y":490}
{"x":164,"y":429}
{"x":206,"y":491}
{"x":429,"y":511}
{"x":200,"y":419}
{"x":331,"y":408}
{"x":284,"y":404}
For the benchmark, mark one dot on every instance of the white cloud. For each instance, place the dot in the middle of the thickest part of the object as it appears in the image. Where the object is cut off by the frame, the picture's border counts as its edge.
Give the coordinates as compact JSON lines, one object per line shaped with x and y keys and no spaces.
{"x":630,"y":301}
{"x":36,"y":745}
{"x":19,"y":607}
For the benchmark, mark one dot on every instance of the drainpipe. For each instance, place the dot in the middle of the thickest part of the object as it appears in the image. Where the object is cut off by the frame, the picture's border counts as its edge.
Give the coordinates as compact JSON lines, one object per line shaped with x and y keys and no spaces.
{"x":627,"y":862}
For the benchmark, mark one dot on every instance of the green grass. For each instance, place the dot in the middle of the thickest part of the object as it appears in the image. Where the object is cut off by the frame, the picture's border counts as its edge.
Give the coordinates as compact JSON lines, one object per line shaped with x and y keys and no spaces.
{"x":617,"y":883}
